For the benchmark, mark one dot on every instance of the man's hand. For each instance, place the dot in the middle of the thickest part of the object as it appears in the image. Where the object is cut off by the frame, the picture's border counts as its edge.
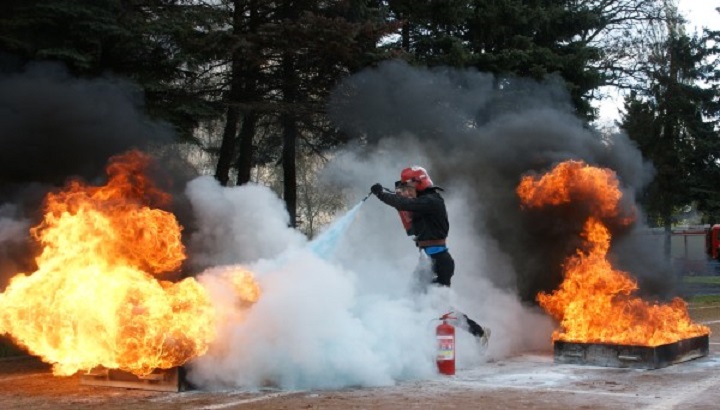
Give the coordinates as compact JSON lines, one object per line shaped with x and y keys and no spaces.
{"x":376,"y":189}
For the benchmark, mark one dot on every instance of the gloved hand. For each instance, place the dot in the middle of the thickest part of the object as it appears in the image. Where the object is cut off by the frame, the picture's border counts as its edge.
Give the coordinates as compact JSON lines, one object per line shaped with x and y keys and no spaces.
{"x":376,"y":189}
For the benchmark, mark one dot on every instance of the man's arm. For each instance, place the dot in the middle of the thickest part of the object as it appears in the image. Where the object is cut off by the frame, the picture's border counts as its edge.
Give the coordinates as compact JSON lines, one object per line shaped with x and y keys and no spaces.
{"x":420,"y":204}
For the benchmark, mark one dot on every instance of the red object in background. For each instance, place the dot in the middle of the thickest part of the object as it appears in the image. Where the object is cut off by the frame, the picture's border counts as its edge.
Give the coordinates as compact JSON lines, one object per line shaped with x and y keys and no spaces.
{"x":406,"y":218}
{"x":445,"y":334}
{"x":712,"y":242}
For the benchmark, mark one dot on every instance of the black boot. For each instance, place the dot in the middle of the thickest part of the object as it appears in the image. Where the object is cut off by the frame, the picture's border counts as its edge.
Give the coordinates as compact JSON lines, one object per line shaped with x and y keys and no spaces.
{"x":483,"y":334}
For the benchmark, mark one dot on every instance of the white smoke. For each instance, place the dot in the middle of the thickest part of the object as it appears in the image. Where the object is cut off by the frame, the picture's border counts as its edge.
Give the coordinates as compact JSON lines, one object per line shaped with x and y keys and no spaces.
{"x":239,"y":224}
{"x":357,"y":317}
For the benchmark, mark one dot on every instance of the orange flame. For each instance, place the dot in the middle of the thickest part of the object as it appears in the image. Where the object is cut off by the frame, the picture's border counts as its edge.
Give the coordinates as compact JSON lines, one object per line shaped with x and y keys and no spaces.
{"x":595,"y":303}
{"x":93,"y":300}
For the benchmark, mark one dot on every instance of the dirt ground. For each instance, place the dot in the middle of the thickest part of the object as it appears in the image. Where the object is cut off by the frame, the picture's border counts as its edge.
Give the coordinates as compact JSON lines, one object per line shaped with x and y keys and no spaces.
{"x":528,"y":381}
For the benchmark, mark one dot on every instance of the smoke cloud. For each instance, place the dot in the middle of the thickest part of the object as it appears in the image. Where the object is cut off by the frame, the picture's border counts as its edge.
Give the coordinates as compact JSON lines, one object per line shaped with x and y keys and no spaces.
{"x":357,"y":316}
{"x":361,"y":316}
{"x":54,"y":127}
{"x":478,"y":135}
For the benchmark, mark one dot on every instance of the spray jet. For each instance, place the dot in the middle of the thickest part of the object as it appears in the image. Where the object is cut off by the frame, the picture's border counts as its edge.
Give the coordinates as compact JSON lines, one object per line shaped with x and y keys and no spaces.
{"x":325,"y":243}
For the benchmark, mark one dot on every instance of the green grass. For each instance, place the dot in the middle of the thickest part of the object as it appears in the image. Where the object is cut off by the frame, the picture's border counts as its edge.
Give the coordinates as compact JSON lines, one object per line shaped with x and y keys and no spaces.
{"x":704,"y":299}
{"x":702,"y":280}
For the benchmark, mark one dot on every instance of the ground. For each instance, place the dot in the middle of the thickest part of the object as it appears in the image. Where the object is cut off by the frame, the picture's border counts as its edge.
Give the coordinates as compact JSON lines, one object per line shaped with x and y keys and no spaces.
{"x":527,"y":381}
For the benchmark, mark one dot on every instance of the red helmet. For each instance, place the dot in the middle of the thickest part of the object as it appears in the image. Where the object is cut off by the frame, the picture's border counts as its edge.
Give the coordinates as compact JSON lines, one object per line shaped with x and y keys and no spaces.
{"x":418,"y":175}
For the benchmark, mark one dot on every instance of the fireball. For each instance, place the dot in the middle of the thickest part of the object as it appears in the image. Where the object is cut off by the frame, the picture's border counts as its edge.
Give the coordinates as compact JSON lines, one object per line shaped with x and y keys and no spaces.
{"x":595,"y":302}
{"x":94,"y":299}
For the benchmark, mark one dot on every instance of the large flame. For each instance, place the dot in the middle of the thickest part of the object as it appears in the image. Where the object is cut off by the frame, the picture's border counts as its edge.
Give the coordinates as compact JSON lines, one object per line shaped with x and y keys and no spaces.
{"x":93,"y":300}
{"x":595,"y":303}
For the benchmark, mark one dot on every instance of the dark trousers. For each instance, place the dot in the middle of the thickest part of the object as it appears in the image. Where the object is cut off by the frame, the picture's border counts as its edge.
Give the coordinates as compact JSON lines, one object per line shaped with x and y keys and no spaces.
{"x":443,"y":267}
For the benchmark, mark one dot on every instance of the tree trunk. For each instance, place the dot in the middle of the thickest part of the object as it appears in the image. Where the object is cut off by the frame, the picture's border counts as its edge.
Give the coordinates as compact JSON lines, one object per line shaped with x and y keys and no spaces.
{"x":288,"y":121}
{"x":289,"y":125}
{"x":251,"y":94}
{"x":227,"y":147}
{"x":405,"y":34}
{"x":290,"y":133}
{"x":244,"y":163}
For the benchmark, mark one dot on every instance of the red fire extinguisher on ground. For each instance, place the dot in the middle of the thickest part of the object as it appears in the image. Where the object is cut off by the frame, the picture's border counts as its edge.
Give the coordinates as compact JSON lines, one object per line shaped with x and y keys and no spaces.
{"x":445,"y":334}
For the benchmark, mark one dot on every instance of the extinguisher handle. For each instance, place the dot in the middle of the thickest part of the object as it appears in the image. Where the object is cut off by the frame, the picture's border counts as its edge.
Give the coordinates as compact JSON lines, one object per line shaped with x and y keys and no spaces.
{"x":447,"y":316}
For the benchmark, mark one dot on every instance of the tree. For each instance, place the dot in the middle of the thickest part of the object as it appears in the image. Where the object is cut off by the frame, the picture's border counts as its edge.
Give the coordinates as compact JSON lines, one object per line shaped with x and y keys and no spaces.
{"x":671,"y":119}
{"x":244,"y":64}
{"x":316,"y":203}
{"x":581,"y":41}
{"x":161,"y":45}
{"x":431,"y":32}
{"x":288,"y":57}
{"x":706,"y":192}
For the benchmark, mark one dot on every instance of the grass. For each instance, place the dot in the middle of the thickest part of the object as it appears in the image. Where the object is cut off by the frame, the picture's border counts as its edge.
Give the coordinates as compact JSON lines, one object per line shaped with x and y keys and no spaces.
{"x":704,"y":299}
{"x":702,"y":280}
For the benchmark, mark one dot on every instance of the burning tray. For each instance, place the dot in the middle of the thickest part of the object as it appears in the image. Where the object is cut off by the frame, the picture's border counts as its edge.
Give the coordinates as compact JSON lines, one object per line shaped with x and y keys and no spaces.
{"x":171,"y":380}
{"x":634,"y":357}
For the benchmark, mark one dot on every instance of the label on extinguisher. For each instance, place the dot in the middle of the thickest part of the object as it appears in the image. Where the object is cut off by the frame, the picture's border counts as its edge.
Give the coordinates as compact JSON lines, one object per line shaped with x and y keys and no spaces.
{"x":446,"y":347}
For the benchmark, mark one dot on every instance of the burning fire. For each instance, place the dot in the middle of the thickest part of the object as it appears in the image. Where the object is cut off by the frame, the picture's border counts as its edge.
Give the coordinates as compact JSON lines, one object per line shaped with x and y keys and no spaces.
{"x":595,"y":303}
{"x":93,"y":300}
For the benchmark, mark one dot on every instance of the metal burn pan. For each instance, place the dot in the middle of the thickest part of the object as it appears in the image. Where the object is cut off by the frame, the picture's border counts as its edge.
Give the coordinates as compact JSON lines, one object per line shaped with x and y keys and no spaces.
{"x":628,"y":356}
{"x":168,"y":380}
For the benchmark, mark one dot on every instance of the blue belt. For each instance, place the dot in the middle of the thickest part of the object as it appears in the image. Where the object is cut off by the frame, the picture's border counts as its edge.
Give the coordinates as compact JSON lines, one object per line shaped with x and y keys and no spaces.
{"x":432,"y":250}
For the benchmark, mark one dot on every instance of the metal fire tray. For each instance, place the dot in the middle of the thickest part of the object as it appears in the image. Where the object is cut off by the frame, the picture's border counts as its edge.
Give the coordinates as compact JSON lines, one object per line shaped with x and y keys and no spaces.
{"x":634,"y":357}
{"x":169,"y":380}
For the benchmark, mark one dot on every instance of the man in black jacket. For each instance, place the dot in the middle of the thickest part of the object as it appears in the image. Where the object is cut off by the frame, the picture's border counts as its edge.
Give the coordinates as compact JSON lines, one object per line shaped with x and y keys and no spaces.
{"x":430,"y":227}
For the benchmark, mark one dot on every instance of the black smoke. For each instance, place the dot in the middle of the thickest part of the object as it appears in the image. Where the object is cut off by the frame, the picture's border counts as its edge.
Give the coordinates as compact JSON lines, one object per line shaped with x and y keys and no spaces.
{"x":487,"y":132}
{"x":54,"y":127}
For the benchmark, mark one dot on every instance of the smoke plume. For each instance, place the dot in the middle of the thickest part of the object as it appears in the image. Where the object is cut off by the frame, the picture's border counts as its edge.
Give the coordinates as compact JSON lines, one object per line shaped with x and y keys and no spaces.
{"x":54,"y":127}
{"x":353,"y":316}
{"x":359,"y":315}
{"x":478,"y":135}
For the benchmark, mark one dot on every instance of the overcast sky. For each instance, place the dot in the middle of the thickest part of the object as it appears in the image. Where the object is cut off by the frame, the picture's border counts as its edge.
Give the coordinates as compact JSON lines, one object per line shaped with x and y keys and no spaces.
{"x":700,"y":14}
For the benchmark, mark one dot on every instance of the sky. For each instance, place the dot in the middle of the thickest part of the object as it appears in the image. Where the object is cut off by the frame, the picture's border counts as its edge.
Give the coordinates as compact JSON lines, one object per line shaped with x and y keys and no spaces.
{"x":700,"y":14}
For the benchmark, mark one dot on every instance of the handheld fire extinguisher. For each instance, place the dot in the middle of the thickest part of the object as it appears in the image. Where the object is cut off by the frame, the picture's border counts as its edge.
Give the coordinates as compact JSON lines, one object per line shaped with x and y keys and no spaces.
{"x":445,"y":334}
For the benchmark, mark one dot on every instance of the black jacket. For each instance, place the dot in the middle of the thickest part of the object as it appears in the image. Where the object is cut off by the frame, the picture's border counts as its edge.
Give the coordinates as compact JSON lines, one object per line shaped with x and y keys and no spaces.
{"x":429,"y":216}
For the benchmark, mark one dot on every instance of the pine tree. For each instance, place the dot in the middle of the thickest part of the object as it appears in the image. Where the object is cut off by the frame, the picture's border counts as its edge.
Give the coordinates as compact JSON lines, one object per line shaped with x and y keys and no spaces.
{"x":158,"y":44}
{"x":671,"y":119}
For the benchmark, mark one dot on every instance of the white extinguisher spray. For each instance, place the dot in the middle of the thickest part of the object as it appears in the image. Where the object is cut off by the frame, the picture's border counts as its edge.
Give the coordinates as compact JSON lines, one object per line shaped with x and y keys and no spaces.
{"x":445,"y":334}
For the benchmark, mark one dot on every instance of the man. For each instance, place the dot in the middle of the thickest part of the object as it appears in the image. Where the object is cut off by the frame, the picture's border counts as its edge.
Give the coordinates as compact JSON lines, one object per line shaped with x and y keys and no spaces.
{"x":429,"y":224}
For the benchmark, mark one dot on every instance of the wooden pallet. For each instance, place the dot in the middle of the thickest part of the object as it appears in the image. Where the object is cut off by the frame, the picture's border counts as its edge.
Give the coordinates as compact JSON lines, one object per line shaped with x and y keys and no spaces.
{"x":169,"y":380}
{"x":628,"y":356}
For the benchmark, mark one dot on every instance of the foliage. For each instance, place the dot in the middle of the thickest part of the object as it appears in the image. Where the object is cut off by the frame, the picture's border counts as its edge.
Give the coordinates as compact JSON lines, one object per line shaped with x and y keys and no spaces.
{"x":302,"y":50}
{"x":583,"y":41}
{"x":158,"y":44}
{"x":672,"y":120}
{"x":262,"y":70}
